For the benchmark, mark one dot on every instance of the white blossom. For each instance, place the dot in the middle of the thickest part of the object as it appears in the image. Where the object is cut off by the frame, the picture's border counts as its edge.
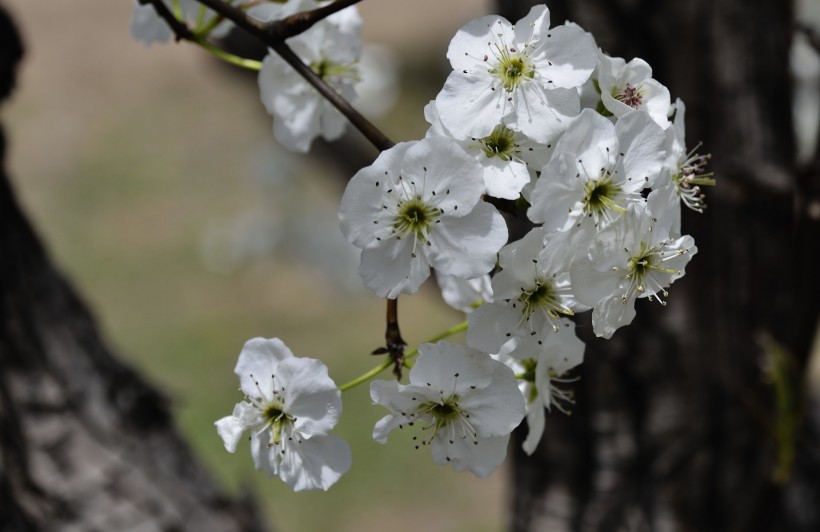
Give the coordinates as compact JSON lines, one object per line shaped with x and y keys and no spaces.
{"x":532,"y":295}
{"x":463,"y":404}
{"x":597,"y":170}
{"x":418,"y":205}
{"x":505,"y":155}
{"x":331,"y":48}
{"x":523,"y":76}
{"x":542,"y":377}
{"x":290,"y":407}
{"x":629,"y":86}
{"x":632,"y":257}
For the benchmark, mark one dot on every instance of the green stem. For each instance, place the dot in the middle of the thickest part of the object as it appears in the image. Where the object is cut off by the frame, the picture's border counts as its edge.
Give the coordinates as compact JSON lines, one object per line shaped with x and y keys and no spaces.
{"x":410,"y":354}
{"x":250,"y":64}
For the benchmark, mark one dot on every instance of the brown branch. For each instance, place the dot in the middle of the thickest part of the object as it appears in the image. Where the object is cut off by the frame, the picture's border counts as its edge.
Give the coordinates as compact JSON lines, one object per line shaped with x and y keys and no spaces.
{"x":263,"y":32}
{"x":394,"y":343}
{"x":301,"y":22}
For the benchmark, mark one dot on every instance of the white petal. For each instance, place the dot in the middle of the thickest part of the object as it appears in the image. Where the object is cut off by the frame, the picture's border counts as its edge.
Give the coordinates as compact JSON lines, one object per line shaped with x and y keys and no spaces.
{"x":309,"y":395}
{"x":265,"y":456}
{"x":316,"y":463}
{"x":610,"y":314}
{"x":571,"y":50}
{"x":497,"y":410}
{"x":468,"y":107}
{"x":446,"y":368}
{"x":641,"y":140}
{"x":464,"y":454}
{"x":536,"y":419}
{"x":491,"y":325}
{"x":257,"y":365}
{"x":466,"y":247}
{"x":390,"y":269}
{"x":230,"y":429}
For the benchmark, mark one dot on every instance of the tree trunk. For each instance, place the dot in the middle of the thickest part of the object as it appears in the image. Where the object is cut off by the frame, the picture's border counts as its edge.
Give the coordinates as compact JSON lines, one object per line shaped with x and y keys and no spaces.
{"x":85,"y":443}
{"x":696,"y":416}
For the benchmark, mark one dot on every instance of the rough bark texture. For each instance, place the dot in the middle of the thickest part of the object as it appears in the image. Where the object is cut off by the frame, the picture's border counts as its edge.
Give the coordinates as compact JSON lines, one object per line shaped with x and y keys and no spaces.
{"x":85,"y":443}
{"x":677,"y":426}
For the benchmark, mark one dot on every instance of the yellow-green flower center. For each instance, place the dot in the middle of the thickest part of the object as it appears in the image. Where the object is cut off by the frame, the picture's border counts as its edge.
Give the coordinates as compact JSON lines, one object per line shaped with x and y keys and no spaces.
{"x":600,"y":195}
{"x":500,"y":143}
{"x":512,"y":69}
{"x":414,"y":216}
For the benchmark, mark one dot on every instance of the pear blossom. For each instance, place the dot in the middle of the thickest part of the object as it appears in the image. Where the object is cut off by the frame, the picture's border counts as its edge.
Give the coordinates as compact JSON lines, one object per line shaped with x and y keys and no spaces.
{"x":542,"y":377}
{"x":598,"y":169}
{"x":628,"y":86}
{"x":523,"y":76}
{"x":290,"y":406}
{"x":686,"y":169}
{"x":331,"y":48}
{"x":463,"y":404}
{"x":532,"y":295}
{"x":419,"y":205}
{"x":633,"y":257}
{"x":505,"y":155}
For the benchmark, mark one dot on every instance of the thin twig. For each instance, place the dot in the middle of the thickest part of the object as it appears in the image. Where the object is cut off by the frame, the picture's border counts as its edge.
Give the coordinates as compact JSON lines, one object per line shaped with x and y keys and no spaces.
{"x":301,"y":22}
{"x":261,"y":31}
{"x":181,"y":30}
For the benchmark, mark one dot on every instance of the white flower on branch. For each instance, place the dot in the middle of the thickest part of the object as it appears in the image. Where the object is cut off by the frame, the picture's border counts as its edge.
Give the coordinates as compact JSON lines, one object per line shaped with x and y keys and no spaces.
{"x":331,"y":48}
{"x":419,"y":205}
{"x":463,"y":404}
{"x":290,"y":407}
{"x":524,"y":76}
{"x":633,"y":257}
{"x":532,"y":294}
{"x":542,"y":377}
{"x":626,"y":87}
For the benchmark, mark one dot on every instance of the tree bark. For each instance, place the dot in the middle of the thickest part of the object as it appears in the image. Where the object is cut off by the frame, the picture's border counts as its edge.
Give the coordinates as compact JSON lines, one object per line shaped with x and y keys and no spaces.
{"x":85,"y":443}
{"x":679,"y":423}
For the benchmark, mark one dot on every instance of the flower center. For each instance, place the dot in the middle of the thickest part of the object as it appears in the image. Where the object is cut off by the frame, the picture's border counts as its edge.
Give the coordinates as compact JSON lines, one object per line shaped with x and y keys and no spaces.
{"x":512,"y":68}
{"x":278,"y":420}
{"x":629,"y":95}
{"x":334,"y":72}
{"x":414,"y":216}
{"x":600,"y":196}
{"x":500,"y":143}
{"x":543,"y":297}
{"x":641,"y":266}
{"x":449,"y":419}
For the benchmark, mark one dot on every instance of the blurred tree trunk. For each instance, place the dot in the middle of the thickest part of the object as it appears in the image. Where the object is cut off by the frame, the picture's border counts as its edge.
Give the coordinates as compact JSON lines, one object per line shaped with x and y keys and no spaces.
{"x":85,"y":443}
{"x":696,"y":417}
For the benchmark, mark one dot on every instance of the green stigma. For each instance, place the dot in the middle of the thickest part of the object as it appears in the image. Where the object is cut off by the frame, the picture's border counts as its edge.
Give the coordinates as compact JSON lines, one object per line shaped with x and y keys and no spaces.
{"x":600,"y":195}
{"x":512,"y":69}
{"x":543,"y":297}
{"x":500,"y":143}
{"x":415,"y":217}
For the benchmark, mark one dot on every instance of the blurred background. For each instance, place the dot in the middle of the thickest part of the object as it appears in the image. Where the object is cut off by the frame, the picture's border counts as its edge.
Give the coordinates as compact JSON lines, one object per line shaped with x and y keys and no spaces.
{"x":154,"y":178}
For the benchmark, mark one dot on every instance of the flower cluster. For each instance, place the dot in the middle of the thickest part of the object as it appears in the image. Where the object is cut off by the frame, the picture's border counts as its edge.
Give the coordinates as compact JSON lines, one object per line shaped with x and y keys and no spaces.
{"x":594,"y":150}
{"x":535,"y":119}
